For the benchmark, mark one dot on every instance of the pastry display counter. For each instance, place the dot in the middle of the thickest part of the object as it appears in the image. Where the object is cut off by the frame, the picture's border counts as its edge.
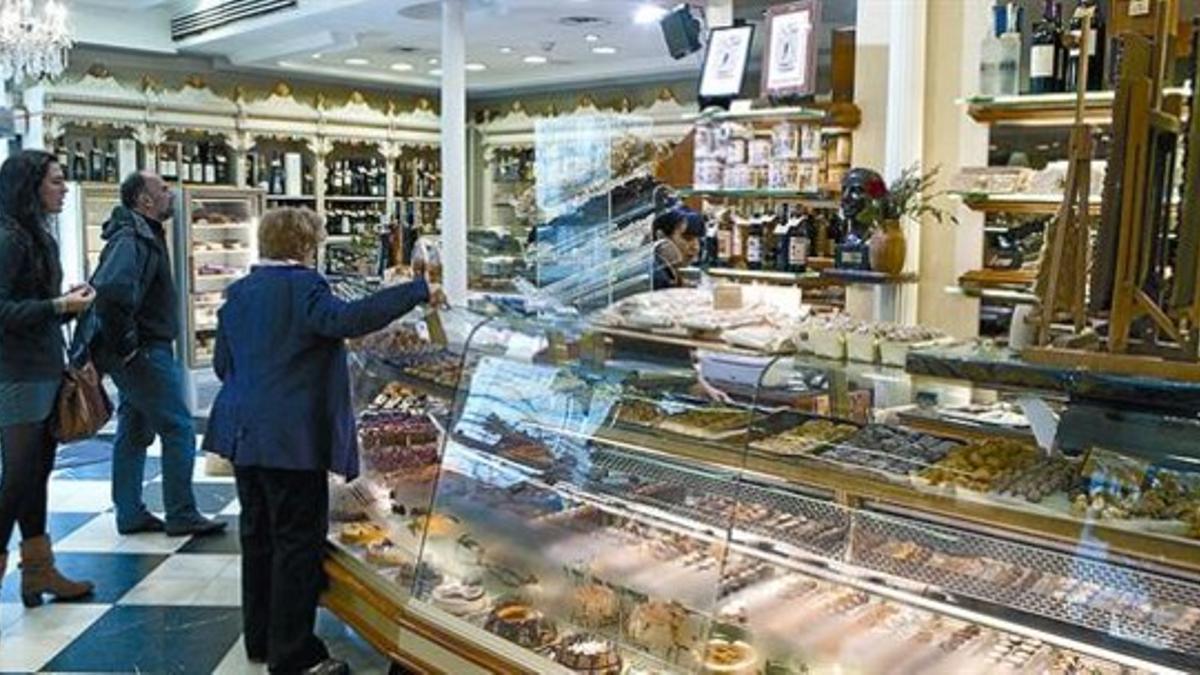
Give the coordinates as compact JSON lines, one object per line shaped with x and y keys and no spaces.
{"x":558,"y":512}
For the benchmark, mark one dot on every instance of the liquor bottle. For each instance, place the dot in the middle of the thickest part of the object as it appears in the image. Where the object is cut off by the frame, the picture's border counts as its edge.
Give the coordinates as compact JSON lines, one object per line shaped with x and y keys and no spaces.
{"x":275,"y":177}
{"x":989,"y":54}
{"x":166,"y":166}
{"x":1096,"y":47}
{"x":79,"y":167}
{"x":1046,"y":57}
{"x":95,"y":162}
{"x":754,"y":244}
{"x":306,"y":184}
{"x":110,"y":164}
{"x":335,"y":178}
{"x":1010,"y":52}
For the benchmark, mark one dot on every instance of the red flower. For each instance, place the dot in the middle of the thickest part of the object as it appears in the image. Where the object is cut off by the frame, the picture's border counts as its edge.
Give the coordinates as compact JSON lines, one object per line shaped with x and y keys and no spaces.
{"x":875,"y":188}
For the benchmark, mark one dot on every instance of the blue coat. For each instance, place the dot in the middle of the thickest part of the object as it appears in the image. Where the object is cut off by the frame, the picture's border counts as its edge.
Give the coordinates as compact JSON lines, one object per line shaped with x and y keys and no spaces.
{"x":285,"y":384}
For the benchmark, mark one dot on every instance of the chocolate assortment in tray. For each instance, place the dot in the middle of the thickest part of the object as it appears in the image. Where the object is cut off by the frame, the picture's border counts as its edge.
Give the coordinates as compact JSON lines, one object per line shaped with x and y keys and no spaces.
{"x":805,"y":438}
{"x":892,"y":451}
{"x":1117,"y":487}
{"x":983,"y":465}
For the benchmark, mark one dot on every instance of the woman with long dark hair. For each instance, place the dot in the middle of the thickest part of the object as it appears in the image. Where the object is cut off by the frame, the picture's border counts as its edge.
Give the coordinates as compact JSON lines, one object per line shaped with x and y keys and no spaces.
{"x":32,"y":313}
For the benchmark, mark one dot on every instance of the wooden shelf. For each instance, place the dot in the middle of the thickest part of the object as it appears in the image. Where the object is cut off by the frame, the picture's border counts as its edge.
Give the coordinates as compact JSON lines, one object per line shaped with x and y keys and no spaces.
{"x":1021,"y":204}
{"x":291,"y":198}
{"x":355,"y":199}
{"x":816,"y":200}
{"x":1044,"y":109}
{"x":988,"y":278}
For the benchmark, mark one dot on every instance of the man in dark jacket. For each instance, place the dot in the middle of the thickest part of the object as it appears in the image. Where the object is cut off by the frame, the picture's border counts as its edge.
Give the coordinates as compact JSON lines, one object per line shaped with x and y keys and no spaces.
{"x":138,"y":322}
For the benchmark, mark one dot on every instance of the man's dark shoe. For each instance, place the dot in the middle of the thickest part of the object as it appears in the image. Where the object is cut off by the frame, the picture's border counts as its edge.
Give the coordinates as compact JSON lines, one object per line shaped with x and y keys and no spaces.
{"x":200,"y":527}
{"x":147,"y":523}
{"x":328,"y":667}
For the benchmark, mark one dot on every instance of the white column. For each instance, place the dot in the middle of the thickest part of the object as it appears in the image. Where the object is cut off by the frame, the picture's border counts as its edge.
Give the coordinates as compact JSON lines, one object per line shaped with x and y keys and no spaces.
{"x":454,"y":150}
{"x":905,"y":125}
{"x":871,"y":35}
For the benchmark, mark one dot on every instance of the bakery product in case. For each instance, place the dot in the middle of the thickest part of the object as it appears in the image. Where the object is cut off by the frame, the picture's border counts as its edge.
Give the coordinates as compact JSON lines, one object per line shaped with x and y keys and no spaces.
{"x":386,"y":554}
{"x":593,"y":605}
{"x":361,"y":534}
{"x":722,"y":657}
{"x":590,"y":654}
{"x":460,"y":599}
{"x":658,"y":626}
{"x":518,"y":622}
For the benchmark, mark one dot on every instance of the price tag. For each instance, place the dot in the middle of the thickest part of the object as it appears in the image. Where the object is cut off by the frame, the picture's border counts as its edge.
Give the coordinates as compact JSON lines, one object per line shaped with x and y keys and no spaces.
{"x":422,"y":331}
{"x":1139,"y":7}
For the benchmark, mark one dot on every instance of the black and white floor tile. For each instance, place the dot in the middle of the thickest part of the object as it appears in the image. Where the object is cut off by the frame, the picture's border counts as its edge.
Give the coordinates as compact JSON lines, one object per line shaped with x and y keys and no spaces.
{"x":162,"y":605}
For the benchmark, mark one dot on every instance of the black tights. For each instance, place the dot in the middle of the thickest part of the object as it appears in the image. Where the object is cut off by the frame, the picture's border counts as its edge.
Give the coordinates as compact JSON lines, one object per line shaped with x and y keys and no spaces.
{"x":28,"y":452}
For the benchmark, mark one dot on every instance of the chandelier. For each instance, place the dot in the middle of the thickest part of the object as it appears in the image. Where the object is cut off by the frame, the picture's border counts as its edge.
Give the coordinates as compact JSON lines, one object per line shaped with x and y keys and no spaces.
{"x":33,"y":45}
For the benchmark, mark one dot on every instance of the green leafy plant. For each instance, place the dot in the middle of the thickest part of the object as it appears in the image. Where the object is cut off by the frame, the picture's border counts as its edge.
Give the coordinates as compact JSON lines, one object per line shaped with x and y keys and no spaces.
{"x":911,"y":196}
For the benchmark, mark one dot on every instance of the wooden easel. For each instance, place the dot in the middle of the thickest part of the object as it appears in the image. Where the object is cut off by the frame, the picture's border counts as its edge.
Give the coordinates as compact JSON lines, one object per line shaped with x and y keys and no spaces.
{"x":1129,"y":280}
{"x":1062,"y":276}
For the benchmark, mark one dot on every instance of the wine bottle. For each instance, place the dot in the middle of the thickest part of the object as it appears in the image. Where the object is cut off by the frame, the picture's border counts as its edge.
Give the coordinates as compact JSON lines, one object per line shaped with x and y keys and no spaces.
{"x":110,"y":164}
{"x":96,"y":162}
{"x":754,"y":244}
{"x":210,"y":165}
{"x":1096,"y":48}
{"x":1046,"y":52}
{"x":79,"y":167}
{"x":803,"y":234}
{"x":63,"y":158}
{"x":724,"y":240}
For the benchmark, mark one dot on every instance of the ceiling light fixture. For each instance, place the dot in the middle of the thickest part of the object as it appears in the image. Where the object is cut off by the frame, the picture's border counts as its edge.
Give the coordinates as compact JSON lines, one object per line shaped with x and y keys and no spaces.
{"x":33,"y":43}
{"x":475,"y":67}
{"x":436,"y":72}
{"x":535,"y":59}
{"x":317,"y":55}
{"x":402,"y":67}
{"x":648,"y":13}
{"x":357,"y":61}
{"x":592,"y":37}
{"x":604,"y":50}
{"x":506,"y":50}
{"x":433,"y":61}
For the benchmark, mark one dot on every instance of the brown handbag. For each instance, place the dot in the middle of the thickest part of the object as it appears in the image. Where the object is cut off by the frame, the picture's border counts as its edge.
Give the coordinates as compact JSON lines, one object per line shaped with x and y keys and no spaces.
{"x":82,"y":407}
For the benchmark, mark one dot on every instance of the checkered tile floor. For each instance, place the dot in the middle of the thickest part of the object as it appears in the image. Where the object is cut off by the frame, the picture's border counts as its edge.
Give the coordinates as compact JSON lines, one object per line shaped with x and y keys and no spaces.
{"x":162,"y":605}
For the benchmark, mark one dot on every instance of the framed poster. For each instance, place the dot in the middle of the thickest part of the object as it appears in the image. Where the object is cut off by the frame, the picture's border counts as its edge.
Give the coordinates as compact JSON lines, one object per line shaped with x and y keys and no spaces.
{"x":725,"y":62}
{"x":790,"y":58}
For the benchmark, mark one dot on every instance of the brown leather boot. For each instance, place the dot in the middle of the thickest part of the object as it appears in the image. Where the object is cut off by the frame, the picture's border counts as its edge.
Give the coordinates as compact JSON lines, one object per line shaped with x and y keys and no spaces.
{"x":38,"y":575}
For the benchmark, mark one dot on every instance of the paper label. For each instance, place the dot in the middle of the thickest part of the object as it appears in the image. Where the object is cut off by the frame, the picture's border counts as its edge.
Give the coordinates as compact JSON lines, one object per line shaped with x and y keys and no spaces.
{"x":798,"y":251}
{"x":1041,"y":61}
{"x":754,"y":249}
{"x":1139,"y":7}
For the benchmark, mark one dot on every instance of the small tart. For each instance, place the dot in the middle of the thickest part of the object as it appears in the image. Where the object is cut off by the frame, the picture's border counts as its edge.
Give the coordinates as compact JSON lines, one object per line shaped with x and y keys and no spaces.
{"x":460,"y":599}
{"x":361,"y":534}
{"x":722,"y":657}
{"x":593,"y":605}
{"x":386,"y":554}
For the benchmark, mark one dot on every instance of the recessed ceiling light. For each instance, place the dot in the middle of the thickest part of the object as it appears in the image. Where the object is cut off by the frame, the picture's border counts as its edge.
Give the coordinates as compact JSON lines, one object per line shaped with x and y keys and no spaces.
{"x":433,"y":61}
{"x":648,"y":13}
{"x":356,"y":61}
{"x":317,"y":55}
{"x":475,"y":67}
{"x":436,"y":72}
{"x":506,"y":50}
{"x":535,"y":59}
{"x":604,"y":50}
{"x":592,"y":37}
{"x":402,"y":67}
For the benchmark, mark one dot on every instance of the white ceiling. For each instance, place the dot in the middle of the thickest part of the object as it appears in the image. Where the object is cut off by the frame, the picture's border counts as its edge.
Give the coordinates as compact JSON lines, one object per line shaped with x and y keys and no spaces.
{"x":317,"y":37}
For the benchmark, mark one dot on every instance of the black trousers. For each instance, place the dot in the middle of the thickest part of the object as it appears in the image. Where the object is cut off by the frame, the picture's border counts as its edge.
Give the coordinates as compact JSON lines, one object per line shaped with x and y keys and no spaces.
{"x":28,"y":458}
{"x":285,"y":517}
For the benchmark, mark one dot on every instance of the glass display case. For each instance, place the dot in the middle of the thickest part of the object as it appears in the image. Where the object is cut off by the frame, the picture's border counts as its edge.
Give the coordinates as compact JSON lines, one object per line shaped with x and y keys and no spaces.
{"x":545,"y":499}
{"x":219,"y":230}
{"x":81,"y":224}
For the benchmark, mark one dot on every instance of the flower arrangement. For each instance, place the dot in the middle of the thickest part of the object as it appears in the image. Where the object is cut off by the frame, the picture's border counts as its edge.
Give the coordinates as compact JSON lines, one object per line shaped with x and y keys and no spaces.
{"x":909,"y":196}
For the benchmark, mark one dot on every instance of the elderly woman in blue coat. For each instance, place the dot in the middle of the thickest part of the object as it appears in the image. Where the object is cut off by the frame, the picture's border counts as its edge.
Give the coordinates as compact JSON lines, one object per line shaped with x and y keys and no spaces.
{"x":283,"y":417}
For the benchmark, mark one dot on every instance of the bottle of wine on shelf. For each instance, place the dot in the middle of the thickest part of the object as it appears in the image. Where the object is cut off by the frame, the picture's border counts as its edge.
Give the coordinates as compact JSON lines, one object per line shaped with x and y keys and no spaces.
{"x":710,"y":254}
{"x":989,"y":54}
{"x":64,"y":158}
{"x":222,"y":171}
{"x":197,"y":164}
{"x":95,"y":162}
{"x":79,"y":165}
{"x":1047,"y":60}
{"x":306,"y":182}
{"x":277,"y":176}
{"x":754,"y":244}
{"x":1096,"y":48}
{"x":166,"y":163}
{"x":210,"y":164}
{"x":110,"y":164}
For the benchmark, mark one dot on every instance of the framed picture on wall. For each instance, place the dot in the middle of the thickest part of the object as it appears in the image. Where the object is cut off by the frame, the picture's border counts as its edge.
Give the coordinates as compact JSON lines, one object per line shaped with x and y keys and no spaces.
{"x":790,"y":58}
{"x":725,"y":62}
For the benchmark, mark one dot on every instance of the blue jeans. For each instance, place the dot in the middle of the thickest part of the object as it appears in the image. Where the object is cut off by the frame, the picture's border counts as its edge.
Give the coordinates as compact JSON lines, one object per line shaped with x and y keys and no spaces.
{"x":152,"y":403}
